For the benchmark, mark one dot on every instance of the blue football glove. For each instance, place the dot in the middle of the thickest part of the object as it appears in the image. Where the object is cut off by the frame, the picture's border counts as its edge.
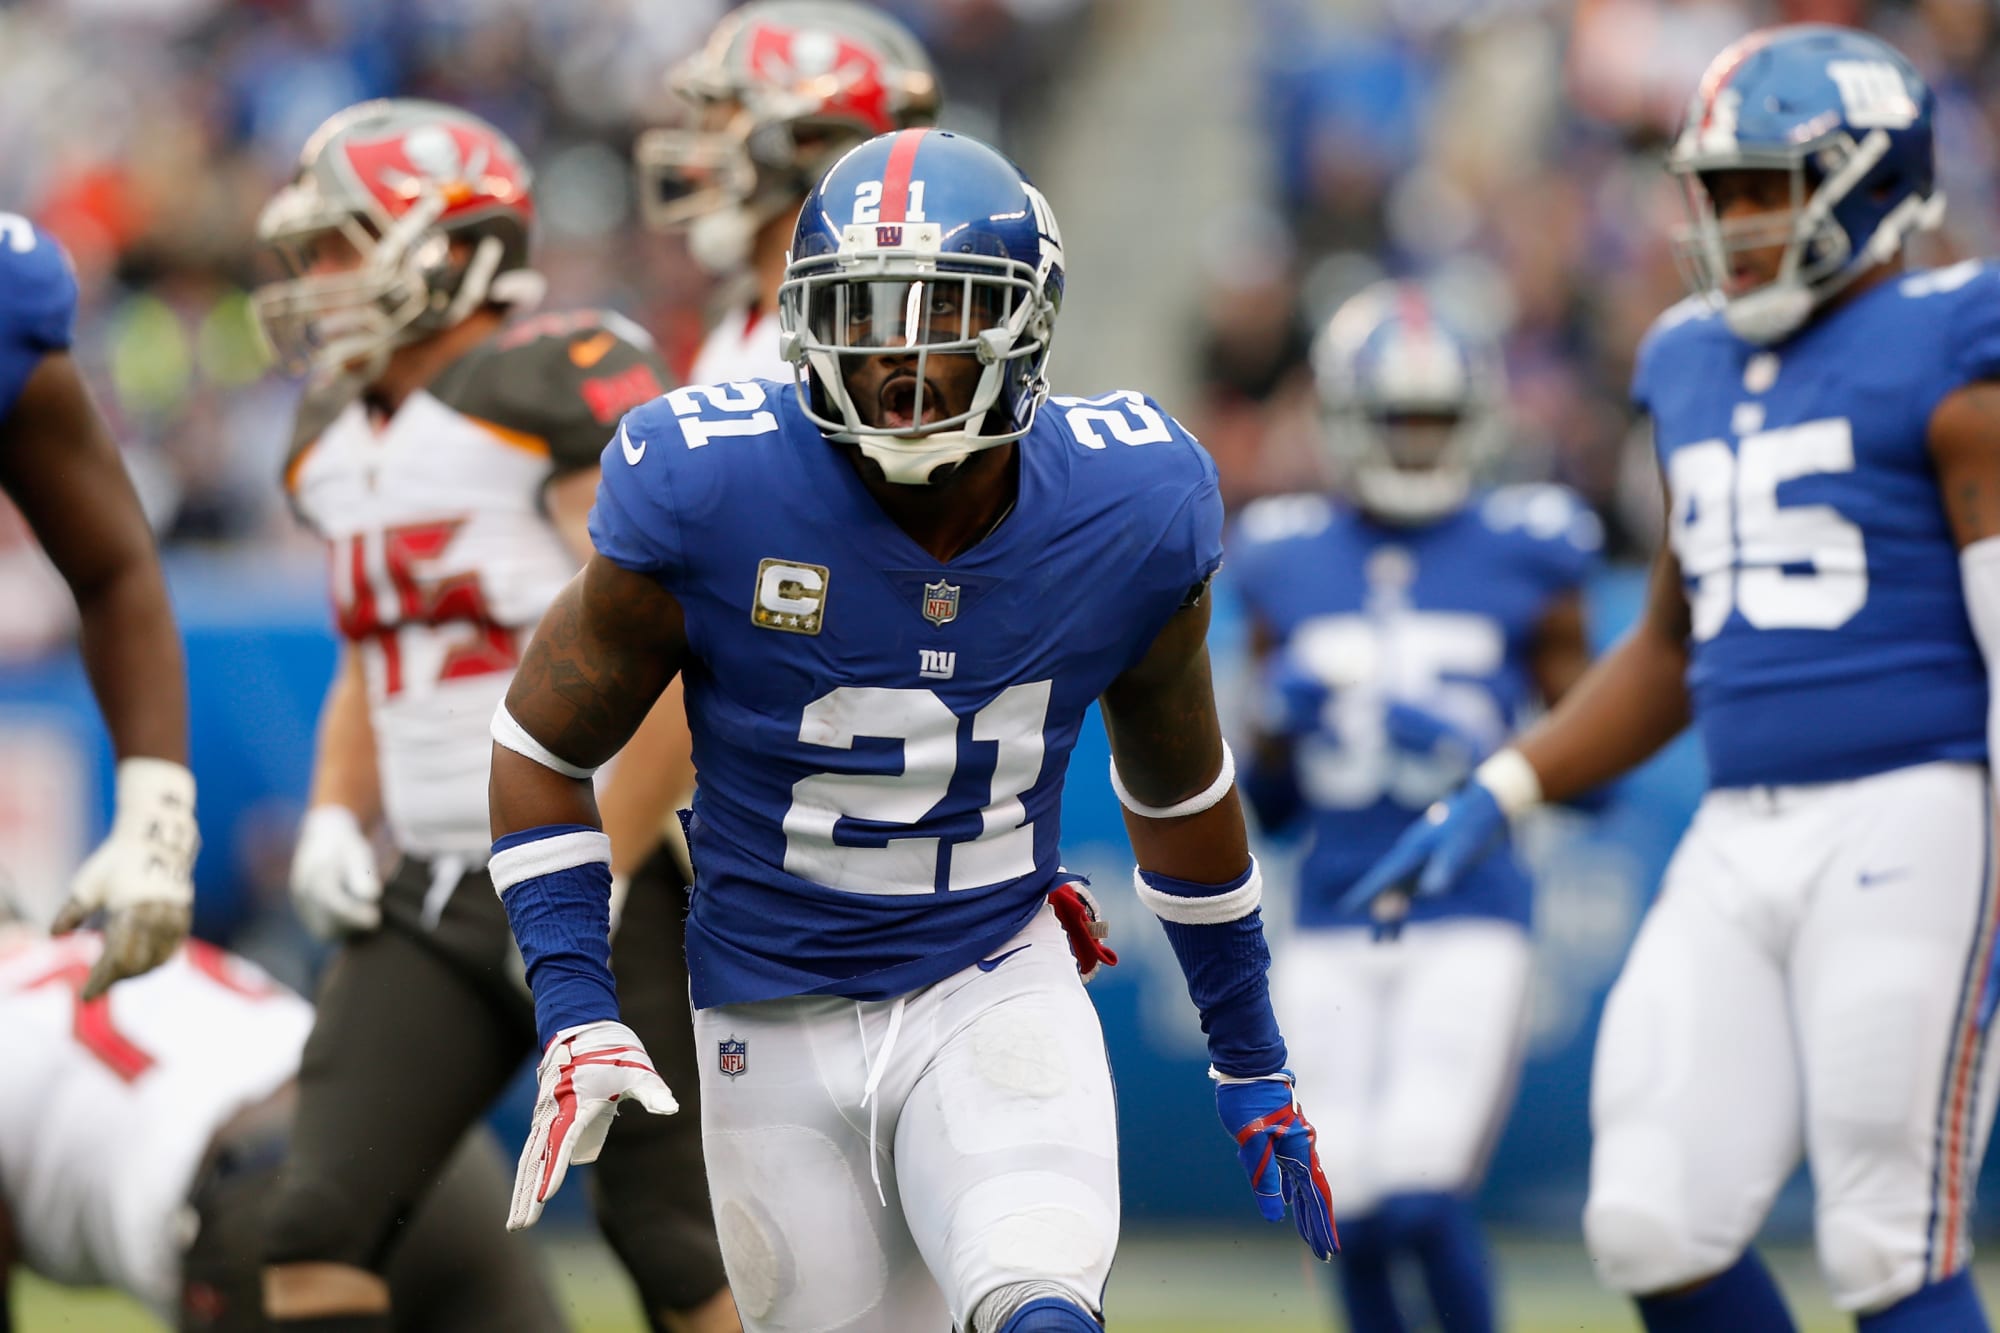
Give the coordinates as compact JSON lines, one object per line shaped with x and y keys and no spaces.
{"x":1279,"y":1150}
{"x":1435,"y":852}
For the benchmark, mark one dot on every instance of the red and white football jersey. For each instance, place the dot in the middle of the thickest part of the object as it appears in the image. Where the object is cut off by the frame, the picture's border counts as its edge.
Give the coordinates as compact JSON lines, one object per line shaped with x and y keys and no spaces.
{"x":107,"y":1108}
{"x":744,"y":346}
{"x":442,"y":555}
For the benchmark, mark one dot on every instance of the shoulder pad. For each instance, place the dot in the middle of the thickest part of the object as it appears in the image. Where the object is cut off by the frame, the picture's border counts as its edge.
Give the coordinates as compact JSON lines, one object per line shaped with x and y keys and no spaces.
{"x":1544,"y":511}
{"x":37,"y":287}
{"x":324,"y":400}
{"x":558,"y":381}
{"x":1277,"y":518}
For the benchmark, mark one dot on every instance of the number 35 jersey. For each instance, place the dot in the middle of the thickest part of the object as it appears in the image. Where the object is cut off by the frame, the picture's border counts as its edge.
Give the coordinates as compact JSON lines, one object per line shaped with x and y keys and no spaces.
{"x":442,"y":556}
{"x":882,"y":738}
{"x":1442,"y":617}
{"x":1829,"y":633}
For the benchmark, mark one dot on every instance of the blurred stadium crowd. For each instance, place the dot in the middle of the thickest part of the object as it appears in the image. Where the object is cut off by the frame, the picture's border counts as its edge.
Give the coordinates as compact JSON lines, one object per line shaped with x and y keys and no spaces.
{"x":1506,"y":149}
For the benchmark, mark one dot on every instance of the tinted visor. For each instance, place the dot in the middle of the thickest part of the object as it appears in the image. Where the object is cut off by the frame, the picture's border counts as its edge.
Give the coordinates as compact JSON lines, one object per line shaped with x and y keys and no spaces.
{"x":886,"y":315}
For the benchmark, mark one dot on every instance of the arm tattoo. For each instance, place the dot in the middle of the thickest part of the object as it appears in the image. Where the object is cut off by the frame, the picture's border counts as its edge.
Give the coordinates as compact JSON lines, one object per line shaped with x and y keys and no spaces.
{"x":606,"y":648}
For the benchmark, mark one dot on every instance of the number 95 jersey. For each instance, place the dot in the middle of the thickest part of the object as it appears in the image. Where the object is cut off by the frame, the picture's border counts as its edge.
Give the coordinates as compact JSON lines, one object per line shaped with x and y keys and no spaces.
{"x":882,"y":738}
{"x":1829,"y":635}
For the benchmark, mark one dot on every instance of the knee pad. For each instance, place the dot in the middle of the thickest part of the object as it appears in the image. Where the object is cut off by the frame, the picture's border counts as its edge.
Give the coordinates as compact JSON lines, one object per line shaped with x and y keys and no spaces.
{"x":1033,"y":1307}
{"x":1869,"y":1263}
{"x":1639,"y":1250}
{"x":315,"y":1222}
{"x":1408,"y":1218}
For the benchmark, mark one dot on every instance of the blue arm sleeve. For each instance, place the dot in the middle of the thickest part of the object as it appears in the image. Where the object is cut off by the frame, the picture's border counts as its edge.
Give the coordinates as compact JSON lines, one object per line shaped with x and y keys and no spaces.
{"x":561,"y":918}
{"x":1227,"y":966}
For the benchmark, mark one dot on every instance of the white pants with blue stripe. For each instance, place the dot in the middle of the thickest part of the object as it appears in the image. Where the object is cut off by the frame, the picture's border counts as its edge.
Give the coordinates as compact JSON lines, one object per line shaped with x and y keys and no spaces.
{"x":886,"y":1166}
{"x":1809,"y":981}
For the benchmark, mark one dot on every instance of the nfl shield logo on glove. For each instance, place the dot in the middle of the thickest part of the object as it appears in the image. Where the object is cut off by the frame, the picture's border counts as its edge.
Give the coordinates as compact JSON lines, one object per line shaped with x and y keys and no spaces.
{"x":940,"y":602}
{"x":732,"y":1057}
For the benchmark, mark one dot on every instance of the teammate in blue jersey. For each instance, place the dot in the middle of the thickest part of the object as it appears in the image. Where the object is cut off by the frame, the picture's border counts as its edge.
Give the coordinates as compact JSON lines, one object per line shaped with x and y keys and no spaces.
{"x":1815,"y":973}
{"x":893,"y":589}
{"x":1399,"y":625}
{"x":59,"y":465}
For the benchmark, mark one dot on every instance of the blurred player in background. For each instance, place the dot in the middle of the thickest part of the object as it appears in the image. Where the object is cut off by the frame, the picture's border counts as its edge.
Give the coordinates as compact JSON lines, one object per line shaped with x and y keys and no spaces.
{"x":140,"y":1135}
{"x":448,"y":456}
{"x":1400,"y":625}
{"x":895,"y":589}
{"x":780,"y":89}
{"x":778,"y":92}
{"x":59,"y":466}
{"x":1816,"y":974}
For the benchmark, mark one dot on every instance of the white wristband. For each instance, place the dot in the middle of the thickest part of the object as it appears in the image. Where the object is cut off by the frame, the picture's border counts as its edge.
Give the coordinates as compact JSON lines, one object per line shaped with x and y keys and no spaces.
{"x":544,"y":856}
{"x":1515,"y":785}
{"x":1193,"y":805}
{"x":1218,"y":910}
{"x":511,"y":735}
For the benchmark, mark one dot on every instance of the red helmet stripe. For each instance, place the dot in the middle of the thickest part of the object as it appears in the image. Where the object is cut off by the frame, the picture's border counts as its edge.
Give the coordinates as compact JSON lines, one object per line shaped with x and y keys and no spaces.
{"x":896,"y":175}
{"x":1723,"y":68}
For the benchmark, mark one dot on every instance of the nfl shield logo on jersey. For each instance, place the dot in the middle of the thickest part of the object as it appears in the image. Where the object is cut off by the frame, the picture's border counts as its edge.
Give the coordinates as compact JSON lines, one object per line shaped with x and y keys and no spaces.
{"x":940,"y":602}
{"x":732,"y":1056}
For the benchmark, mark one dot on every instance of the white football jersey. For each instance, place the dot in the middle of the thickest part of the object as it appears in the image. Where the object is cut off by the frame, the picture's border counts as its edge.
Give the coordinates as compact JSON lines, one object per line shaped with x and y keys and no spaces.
{"x":108,"y":1108}
{"x":442,"y":556}
{"x":744,"y":346}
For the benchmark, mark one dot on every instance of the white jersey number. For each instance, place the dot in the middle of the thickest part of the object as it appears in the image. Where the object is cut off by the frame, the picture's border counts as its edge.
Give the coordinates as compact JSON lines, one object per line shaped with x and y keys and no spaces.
{"x":1127,"y":415}
{"x":1427,"y":658}
{"x":692,"y":401}
{"x":1004,"y":848}
{"x":1783,"y":567}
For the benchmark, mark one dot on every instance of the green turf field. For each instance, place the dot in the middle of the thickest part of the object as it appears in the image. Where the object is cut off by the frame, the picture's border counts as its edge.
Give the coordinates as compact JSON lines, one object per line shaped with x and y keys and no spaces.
{"x":1230,"y":1283}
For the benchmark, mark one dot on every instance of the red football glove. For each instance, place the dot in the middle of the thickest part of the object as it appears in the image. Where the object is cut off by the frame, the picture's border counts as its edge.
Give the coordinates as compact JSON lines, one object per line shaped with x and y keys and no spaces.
{"x":1085,"y":925}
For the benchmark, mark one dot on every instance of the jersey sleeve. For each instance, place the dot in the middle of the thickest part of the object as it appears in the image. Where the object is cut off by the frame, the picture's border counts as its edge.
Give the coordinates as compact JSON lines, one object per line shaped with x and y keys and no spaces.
{"x":561,"y":383}
{"x":1646,"y":363}
{"x":1974,"y":349}
{"x":633,"y":524}
{"x":1189,"y":551}
{"x":37,"y":303}
{"x":1562,"y":536}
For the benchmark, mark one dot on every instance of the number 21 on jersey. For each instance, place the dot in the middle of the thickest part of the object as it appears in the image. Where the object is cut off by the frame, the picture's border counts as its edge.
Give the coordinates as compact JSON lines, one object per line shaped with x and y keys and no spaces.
{"x":1004,"y":847}
{"x":1782,"y":566}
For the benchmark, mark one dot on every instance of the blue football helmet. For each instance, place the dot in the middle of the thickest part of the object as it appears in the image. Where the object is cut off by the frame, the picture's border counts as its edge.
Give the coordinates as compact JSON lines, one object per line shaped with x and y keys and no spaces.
{"x":916,"y":245}
{"x":1849,"y":119}
{"x":1414,"y":410}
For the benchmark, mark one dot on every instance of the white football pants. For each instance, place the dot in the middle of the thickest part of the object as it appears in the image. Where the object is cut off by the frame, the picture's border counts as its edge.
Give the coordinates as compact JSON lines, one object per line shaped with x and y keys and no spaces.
{"x":1406,"y":1050}
{"x":987,"y":1101}
{"x":1809,"y":978}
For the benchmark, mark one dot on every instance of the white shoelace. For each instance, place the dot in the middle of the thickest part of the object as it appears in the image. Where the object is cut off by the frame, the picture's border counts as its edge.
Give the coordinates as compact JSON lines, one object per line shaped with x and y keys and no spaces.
{"x":877,"y":1066}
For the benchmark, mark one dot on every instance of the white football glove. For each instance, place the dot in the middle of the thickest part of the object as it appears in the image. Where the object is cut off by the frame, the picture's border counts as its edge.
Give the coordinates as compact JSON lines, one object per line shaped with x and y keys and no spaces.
{"x":141,"y":876}
{"x":336,"y":887}
{"x":586,"y":1074}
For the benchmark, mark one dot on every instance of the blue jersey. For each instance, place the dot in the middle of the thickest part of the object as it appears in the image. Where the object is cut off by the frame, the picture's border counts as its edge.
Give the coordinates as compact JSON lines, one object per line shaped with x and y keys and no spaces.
{"x":882,"y":738}
{"x":1443,"y":618}
{"x":1829,"y":632}
{"x":37,"y":303}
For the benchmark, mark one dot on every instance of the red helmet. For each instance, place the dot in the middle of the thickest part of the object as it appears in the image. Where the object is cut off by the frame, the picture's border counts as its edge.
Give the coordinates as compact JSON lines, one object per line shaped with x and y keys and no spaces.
{"x":434,"y":205}
{"x":779,"y":91}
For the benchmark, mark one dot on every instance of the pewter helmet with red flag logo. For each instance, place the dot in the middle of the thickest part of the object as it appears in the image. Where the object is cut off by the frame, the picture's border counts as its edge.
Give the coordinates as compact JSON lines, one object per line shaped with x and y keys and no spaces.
{"x":403,"y":218}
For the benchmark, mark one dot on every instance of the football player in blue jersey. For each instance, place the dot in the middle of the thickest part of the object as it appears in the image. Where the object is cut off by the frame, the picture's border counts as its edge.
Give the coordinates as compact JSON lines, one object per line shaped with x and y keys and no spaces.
{"x":58,"y":464}
{"x":894,"y":588}
{"x":1400,"y":625}
{"x":1814,"y":976}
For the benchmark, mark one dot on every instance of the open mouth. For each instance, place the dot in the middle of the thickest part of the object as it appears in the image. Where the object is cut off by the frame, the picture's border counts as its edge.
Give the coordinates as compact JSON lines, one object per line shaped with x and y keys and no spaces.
{"x":897,"y":400}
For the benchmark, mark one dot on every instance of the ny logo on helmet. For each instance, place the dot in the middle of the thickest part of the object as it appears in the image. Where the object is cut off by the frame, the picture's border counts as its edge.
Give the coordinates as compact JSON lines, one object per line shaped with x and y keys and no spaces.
{"x":1873,"y":94}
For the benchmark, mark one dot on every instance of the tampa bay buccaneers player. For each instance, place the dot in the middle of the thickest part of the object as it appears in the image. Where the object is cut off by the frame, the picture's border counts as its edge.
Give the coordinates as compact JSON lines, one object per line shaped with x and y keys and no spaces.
{"x":446,"y":450}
